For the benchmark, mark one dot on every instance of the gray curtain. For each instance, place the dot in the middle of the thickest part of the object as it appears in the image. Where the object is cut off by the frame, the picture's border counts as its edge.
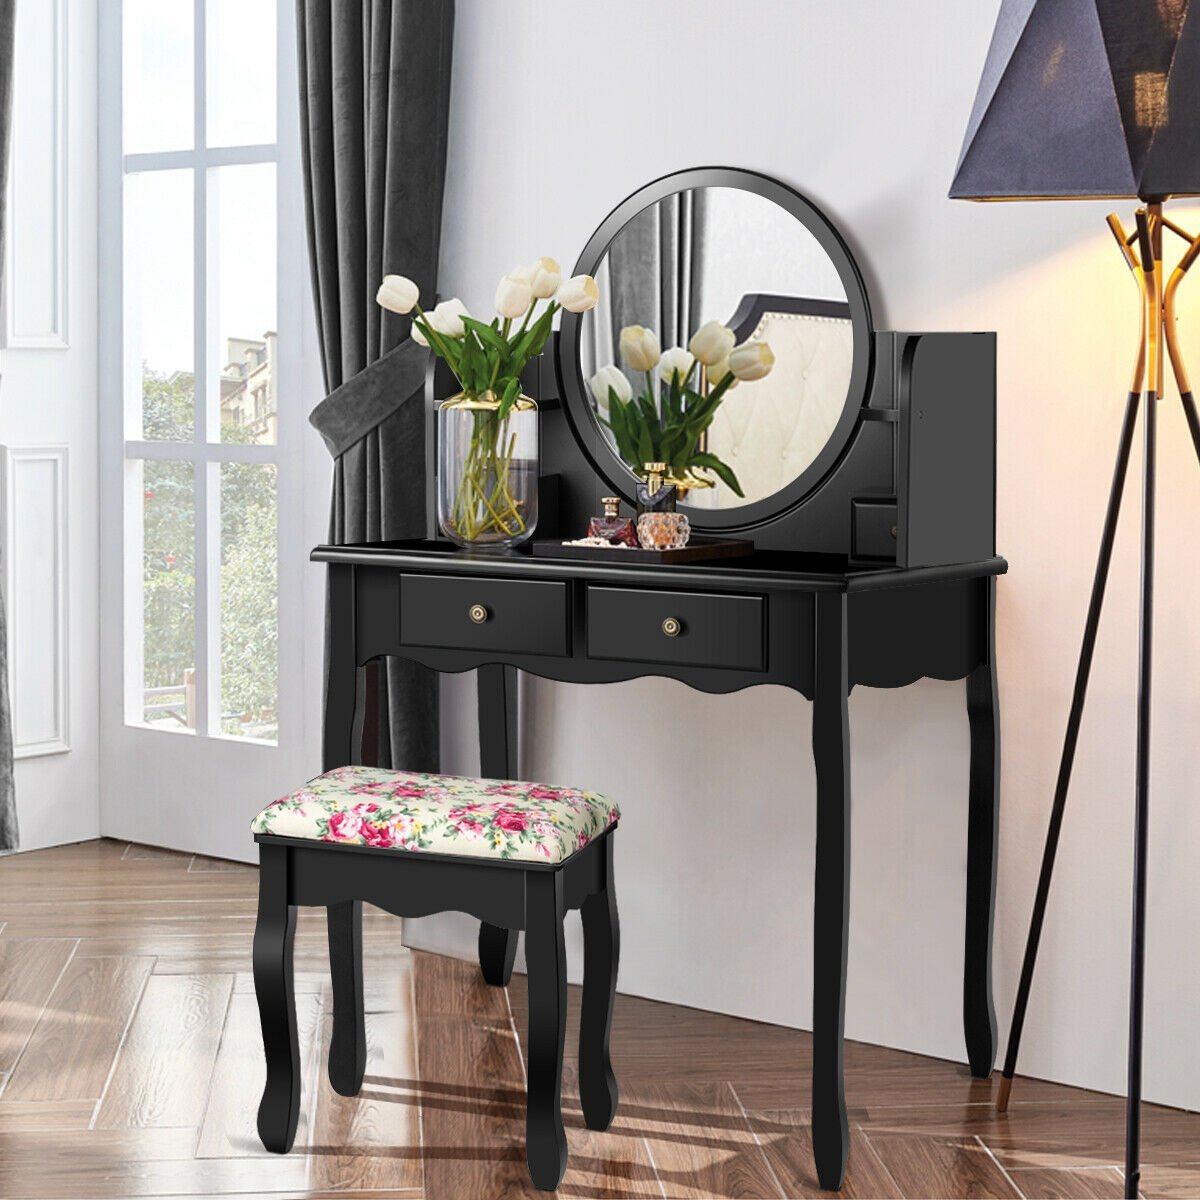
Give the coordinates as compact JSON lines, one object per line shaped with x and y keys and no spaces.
{"x":8,"y":803}
{"x":374,"y":109}
{"x":656,"y":266}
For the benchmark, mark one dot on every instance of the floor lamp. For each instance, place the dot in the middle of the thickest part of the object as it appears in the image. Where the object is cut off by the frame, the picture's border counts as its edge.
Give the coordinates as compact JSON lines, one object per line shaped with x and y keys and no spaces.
{"x":1091,"y":99}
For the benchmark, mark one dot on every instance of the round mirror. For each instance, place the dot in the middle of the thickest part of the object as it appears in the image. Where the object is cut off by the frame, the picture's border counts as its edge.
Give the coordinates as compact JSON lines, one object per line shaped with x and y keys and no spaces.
{"x":695,"y":251}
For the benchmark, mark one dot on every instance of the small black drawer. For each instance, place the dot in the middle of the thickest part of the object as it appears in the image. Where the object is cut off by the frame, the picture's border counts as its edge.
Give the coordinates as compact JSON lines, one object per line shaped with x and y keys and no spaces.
{"x":874,"y":529}
{"x":522,"y":616}
{"x":698,"y":628}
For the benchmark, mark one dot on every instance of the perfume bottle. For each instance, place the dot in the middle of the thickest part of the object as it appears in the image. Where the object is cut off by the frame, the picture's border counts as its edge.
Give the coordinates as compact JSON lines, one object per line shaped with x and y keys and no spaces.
{"x":663,"y":530}
{"x":654,"y":493}
{"x":612,"y":526}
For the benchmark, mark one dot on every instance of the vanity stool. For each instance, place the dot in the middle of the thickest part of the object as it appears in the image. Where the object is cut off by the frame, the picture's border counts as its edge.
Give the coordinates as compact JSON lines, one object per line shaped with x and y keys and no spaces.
{"x":514,"y":855}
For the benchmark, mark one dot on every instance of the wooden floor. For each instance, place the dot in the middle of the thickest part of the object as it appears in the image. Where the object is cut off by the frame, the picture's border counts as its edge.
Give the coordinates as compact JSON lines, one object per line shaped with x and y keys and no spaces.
{"x":130,"y":1065}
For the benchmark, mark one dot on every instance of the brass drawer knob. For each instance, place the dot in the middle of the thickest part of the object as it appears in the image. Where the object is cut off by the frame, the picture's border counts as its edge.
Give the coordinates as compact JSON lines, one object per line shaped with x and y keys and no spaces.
{"x":477,"y":613}
{"x":672,"y":626}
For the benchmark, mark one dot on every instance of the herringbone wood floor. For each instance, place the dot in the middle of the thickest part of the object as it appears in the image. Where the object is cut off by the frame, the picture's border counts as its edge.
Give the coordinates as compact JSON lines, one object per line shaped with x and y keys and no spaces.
{"x":130,"y":1066}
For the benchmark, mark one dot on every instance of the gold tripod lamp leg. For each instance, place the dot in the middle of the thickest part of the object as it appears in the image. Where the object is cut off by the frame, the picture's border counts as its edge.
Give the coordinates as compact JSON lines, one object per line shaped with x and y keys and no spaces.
{"x":1150,"y":231}
{"x":1170,"y":332}
{"x":1006,"y":1082}
{"x":1139,"y":277}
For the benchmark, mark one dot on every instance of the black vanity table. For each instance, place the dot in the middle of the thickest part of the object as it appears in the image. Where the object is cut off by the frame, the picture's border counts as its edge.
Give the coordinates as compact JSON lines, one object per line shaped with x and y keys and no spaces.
{"x":874,"y":566}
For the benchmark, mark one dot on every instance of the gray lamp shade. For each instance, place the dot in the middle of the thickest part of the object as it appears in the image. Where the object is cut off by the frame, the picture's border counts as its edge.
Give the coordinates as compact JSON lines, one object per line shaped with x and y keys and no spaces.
{"x":1086,"y":98}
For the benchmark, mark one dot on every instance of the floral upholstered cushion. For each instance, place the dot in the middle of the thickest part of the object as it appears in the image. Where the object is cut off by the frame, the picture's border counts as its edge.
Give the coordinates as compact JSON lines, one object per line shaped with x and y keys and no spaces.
{"x":440,"y":814}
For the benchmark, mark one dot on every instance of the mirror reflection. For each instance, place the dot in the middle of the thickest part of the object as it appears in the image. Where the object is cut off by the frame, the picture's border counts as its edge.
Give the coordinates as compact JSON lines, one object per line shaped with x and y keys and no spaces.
{"x":739,"y":427}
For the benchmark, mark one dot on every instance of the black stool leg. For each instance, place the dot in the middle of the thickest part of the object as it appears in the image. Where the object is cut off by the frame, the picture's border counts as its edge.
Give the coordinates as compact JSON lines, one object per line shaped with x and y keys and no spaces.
{"x":601,"y":950}
{"x":546,"y":959}
{"x":279,"y":1110}
{"x":348,"y":1045}
{"x":497,"y":950}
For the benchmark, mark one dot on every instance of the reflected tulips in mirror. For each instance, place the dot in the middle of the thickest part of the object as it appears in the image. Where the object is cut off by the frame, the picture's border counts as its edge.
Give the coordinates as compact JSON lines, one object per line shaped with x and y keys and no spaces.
{"x":667,"y":420}
{"x":488,"y":432}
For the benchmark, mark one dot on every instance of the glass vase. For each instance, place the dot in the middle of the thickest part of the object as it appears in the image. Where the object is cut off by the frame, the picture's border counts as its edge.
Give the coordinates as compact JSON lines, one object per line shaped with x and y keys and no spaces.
{"x":487,"y":470}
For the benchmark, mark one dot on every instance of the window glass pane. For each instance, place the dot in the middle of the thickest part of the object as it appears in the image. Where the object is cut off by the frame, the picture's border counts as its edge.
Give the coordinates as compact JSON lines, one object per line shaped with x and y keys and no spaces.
{"x":160,"y":337}
{"x":169,"y":595}
{"x":240,"y":58}
{"x":159,"y":98}
{"x":249,"y":602}
{"x":242,"y":200}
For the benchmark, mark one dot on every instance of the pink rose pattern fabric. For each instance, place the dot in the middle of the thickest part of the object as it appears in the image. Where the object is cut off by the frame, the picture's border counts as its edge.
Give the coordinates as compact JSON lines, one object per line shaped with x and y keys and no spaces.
{"x":440,"y":814}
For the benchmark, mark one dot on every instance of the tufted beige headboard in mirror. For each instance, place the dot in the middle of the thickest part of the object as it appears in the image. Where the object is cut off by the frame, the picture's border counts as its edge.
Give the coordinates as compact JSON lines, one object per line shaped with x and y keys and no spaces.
{"x":772,"y":429}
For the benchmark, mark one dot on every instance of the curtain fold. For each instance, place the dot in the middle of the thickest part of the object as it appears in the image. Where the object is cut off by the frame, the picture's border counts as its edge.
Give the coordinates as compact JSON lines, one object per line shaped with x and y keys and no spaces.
{"x":653,"y":276}
{"x":374,"y":114}
{"x":8,"y":802}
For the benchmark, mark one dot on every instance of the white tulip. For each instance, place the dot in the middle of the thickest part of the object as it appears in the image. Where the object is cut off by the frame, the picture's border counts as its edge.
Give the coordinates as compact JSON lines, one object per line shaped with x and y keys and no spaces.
{"x":513,"y":297}
{"x":751,"y":360}
{"x":397,"y":294}
{"x":606,"y":378}
{"x":523,"y":273}
{"x":639,"y":348}
{"x":712,"y":342}
{"x":718,"y":371}
{"x":446,"y":318}
{"x":578,"y":294}
{"x":676,"y":361}
{"x":544,"y":277}
{"x":417,"y":336}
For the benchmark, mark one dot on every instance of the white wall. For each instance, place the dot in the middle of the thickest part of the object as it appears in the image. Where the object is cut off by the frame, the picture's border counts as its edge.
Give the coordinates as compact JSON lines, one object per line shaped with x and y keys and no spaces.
{"x":48,"y":395}
{"x":559,"y":111}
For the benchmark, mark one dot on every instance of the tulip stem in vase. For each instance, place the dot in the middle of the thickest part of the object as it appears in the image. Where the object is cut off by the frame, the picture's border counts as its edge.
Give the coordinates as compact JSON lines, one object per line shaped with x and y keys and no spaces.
{"x":486,"y":468}
{"x":488,"y":433}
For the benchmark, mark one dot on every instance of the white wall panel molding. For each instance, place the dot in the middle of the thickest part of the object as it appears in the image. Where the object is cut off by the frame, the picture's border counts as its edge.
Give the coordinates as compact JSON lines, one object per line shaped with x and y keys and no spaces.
{"x":37,"y":280}
{"x":34,"y":492}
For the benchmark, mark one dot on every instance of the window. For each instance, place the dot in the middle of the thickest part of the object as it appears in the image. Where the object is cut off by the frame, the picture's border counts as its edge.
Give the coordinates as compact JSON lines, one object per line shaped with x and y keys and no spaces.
{"x":198,"y":365}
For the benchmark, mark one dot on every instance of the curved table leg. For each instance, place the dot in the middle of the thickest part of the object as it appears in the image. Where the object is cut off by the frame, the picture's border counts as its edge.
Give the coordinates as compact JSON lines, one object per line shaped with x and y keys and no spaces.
{"x":341,"y":738}
{"x":342,"y":746}
{"x":601,"y":952}
{"x":497,"y":760}
{"x":979,"y":1013}
{"x":274,"y":934}
{"x":831,"y":751}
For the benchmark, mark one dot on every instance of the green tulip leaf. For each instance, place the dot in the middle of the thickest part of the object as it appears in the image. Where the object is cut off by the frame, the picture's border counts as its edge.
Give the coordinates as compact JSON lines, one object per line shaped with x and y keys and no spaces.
{"x":487,"y":336}
{"x":512,"y":389}
{"x":645,"y":446}
{"x":712,"y":463}
{"x":619,"y":423}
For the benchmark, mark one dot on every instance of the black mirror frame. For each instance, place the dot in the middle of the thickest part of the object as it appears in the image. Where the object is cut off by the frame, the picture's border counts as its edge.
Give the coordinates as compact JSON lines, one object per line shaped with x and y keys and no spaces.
{"x":573,"y":387}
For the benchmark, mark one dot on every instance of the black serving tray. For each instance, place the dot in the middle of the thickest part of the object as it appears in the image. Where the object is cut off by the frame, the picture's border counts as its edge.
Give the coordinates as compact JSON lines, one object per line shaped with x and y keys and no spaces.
{"x":700,"y":548}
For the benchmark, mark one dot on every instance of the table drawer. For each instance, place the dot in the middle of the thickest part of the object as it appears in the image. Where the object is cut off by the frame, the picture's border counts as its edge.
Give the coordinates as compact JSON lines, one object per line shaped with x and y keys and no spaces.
{"x":521,"y":616}
{"x":702,"y":629}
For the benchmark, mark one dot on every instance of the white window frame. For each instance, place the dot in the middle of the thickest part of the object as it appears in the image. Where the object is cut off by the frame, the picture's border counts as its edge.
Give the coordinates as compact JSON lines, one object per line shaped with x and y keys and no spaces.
{"x":121,"y":398}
